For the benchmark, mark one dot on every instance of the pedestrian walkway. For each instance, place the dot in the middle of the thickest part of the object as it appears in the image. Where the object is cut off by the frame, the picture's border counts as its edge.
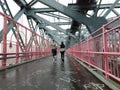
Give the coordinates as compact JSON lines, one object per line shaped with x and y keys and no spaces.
{"x":43,"y":74}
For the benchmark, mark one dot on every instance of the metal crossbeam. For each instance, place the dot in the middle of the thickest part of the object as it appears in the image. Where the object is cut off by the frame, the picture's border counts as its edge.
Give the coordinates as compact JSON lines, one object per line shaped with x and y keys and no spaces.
{"x":111,"y":8}
{"x":91,"y":7}
{"x":80,"y":18}
{"x":5,"y":8}
{"x":56,"y":16}
{"x":53,"y":35}
{"x":43,"y":10}
{"x":10,"y":27}
{"x":36,"y":17}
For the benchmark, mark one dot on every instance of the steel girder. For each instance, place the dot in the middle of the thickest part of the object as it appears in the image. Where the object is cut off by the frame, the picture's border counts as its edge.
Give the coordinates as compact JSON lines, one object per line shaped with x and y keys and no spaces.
{"x":56,"y":16}
{"x":65,"y":10}
{"x":43,"y":10}
{"x":116,"y":13}
{"x":32,"y":2}
{"x":92,"y":23}
{"x":62,"y":23}
{"x":31,"y":13}
{"x":16,"y":17}
{"x":11,"y":25}
{"x":91,"y":7}
{"x":54,"y":35}
{"x":111,"y":8}
{"x":5,"y":8}
{"x":47,"y":31}
{"x":23,"y":4}
{"x":33,"y":37}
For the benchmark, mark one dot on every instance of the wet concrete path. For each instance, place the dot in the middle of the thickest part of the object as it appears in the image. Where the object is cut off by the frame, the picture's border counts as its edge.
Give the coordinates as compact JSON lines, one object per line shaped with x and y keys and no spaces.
{"x":43,"y":74}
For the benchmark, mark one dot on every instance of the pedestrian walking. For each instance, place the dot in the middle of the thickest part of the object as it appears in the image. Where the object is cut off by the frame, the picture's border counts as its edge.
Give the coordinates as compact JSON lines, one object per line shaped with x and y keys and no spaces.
{"x":62,"y":51}
{"x":54,"y":50}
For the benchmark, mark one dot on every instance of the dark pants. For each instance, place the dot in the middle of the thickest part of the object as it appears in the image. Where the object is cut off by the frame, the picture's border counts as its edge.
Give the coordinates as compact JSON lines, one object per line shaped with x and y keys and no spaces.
{"x":62,"y":55}
{"x":54,"y":52}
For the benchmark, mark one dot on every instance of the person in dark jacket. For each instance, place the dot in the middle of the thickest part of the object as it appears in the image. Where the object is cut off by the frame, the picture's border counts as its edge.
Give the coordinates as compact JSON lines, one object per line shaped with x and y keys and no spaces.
{"x":62,"y":50}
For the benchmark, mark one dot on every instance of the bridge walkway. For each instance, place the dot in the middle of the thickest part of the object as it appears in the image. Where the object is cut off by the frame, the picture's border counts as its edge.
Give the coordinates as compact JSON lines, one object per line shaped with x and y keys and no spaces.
{"x":44,"y":74}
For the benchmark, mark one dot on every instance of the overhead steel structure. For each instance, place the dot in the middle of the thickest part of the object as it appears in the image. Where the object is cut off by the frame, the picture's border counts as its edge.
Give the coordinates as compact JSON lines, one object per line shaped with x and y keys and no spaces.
{"x":76,"y":14}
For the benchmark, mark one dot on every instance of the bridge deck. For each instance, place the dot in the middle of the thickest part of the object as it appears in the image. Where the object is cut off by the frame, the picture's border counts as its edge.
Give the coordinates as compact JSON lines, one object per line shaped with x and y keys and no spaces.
{"x":43,"y":74}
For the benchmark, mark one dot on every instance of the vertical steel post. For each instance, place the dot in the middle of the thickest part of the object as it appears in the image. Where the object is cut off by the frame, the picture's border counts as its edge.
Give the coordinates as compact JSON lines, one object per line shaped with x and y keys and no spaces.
{"x":36,"y":50}
{"x":4,"y":42}
{"x":119,"y":42}
{"x":88,"y":42}
{"x":17,"y":45}
{"x":36,"y":47}
{"x":39,"y":46}
{"x":105,"y":50}
{"x":26,"y":51}
{"x":31,"y":51}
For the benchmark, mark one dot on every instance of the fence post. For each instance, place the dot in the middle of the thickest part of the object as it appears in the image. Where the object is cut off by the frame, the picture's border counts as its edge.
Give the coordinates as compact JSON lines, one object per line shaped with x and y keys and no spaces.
{"x":88,"y":42}
{"x":26,"y":47}
{"x":105,"y":50}
{"x":4,"y":42}
{"x":17,"y":45}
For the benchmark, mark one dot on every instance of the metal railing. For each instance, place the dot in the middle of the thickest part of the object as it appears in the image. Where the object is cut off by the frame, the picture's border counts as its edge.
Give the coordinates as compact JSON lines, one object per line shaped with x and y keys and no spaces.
{"x":10,"y":51}
{"x":101,"y":51}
